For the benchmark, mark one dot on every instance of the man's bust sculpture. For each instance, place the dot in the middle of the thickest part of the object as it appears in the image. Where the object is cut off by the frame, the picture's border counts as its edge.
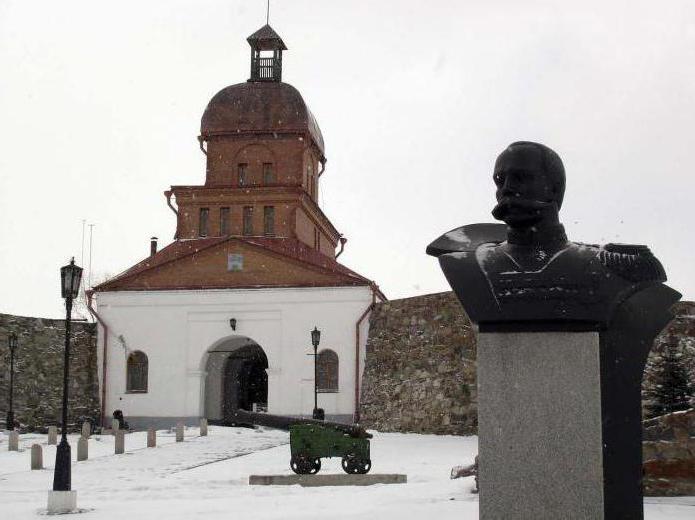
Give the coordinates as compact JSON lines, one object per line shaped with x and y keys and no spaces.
{"x":527,"y":271}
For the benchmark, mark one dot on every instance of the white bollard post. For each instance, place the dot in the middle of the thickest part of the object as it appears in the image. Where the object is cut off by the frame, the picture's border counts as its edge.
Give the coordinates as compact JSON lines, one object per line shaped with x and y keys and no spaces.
{"x":179,"y":432}
{"x":53,"y":435}
{"x":151,"y":437}
{"x":203,"y":427}
{"x":120,"y":442}
{"x":36,"y":456}
{"x":82,"y":449}
{"x":13,"y":441}
{"x":86,"y":430}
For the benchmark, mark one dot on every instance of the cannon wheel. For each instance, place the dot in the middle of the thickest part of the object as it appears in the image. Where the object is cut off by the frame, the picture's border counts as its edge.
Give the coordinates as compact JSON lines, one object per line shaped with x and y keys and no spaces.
{"x":355,"y":466}
{"x":302,"y":465}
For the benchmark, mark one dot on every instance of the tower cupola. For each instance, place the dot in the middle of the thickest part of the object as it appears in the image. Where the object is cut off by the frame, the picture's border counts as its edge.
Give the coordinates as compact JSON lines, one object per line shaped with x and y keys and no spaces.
{"x":266,"y":54}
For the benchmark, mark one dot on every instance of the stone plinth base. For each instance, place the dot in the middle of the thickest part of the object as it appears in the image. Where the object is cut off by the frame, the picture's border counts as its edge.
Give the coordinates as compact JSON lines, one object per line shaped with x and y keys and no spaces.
{"x":539,"y":399}
{"x":61,"y":502}
{"x":327,"y":480}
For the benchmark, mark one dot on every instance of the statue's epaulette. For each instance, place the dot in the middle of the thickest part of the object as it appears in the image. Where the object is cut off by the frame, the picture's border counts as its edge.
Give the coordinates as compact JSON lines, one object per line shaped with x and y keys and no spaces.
{"x":467,"y":238}
{"x":633,"y":262}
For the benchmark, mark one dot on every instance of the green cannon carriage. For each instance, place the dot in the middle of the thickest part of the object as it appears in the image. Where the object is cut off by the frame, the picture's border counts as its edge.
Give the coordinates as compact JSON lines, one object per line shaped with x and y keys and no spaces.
{"x":312,"y":440}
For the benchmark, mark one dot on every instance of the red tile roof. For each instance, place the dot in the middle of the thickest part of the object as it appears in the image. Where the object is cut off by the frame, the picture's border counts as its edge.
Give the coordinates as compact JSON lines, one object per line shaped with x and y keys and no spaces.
{"x":289,"y":247}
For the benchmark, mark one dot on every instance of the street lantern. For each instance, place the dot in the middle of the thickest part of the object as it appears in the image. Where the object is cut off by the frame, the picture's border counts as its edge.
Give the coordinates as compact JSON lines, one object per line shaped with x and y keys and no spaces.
{"x":315,"y":339}
{"x":70,"y":277}
{"x":12,"y":343}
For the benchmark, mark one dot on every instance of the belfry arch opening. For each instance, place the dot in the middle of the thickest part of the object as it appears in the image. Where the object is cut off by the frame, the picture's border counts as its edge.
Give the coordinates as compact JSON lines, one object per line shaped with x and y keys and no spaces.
{"x":236,"y":377}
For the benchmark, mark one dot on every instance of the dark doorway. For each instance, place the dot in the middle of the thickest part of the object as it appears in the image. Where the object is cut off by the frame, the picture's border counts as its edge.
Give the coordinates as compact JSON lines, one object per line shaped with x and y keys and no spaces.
{"x":245,"y":380}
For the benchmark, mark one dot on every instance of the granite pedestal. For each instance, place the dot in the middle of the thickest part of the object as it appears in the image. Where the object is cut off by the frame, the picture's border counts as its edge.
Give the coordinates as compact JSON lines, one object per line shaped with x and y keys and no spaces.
{"x":61,"y":502}
{"x":539,"y":426}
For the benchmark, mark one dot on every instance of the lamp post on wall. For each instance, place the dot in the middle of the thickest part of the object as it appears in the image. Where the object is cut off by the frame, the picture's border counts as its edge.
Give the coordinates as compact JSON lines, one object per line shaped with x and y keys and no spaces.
{"x":70,"y":276}
{"x":315,"y":339}
{"x":12,"y":343}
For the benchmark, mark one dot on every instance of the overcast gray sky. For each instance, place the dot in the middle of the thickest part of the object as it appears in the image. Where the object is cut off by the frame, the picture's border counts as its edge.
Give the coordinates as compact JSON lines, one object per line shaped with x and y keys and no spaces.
{"x":100,"y":106}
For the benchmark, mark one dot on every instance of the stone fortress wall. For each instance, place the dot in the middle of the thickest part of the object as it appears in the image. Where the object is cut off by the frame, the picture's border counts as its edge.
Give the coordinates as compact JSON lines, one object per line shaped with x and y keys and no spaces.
{"x":420,"y":376}
{"x":420,"y":368}
{"x":681,"y":331}
{"x":38,"y":371}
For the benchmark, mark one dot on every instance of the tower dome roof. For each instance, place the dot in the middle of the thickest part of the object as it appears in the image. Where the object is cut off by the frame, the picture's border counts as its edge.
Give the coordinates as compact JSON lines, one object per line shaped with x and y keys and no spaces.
{"x":259,"y":107}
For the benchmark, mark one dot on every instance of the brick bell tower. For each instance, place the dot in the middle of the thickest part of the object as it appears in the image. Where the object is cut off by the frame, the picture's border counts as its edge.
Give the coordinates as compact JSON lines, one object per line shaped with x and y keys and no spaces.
{"x":256,"y":221}
{"x":265,"y":156}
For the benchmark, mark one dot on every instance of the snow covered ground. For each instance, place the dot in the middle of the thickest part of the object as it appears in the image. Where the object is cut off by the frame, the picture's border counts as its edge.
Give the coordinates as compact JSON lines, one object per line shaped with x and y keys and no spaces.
{"x":207,"y":477}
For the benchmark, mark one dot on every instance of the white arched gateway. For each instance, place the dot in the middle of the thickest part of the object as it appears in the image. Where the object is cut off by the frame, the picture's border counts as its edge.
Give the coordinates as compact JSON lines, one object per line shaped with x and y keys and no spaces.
{"x":235,"y":377}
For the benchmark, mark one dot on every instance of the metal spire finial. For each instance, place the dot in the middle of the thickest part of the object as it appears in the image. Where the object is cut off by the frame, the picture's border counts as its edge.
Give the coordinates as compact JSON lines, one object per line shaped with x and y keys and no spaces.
{"x":267,"y":13}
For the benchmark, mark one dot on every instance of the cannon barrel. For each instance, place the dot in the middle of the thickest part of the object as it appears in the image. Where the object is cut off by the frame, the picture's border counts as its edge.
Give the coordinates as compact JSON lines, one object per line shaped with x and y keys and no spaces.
{"x":282,"y":422}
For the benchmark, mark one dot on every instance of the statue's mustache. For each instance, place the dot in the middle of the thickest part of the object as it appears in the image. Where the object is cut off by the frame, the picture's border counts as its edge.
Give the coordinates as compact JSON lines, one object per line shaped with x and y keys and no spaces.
{"x":506,"y":204}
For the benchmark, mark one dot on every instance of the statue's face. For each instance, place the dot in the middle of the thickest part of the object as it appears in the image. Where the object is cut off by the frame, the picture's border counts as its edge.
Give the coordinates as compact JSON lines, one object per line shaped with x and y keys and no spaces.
{"x":524,"y":188}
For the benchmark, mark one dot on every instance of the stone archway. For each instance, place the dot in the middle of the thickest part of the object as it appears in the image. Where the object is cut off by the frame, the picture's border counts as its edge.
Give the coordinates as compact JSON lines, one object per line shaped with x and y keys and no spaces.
{"x":236,"y":378}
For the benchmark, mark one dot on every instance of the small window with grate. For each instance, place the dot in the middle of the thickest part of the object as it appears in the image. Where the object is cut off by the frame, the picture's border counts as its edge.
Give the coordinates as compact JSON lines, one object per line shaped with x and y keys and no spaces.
{"x":268,"y":176}
{"x":269,"y":220}
{"x":224,"y":221}
{"x":136,"y":372}
{"x":248,"y":220}
{"x":203,"y":222}
{"x":242,"y":174}
{"x":327,"y":371}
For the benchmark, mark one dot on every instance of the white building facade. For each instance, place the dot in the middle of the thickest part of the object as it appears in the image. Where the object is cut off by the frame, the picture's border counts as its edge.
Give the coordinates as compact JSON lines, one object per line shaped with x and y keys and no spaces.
{"x":181,"y":332}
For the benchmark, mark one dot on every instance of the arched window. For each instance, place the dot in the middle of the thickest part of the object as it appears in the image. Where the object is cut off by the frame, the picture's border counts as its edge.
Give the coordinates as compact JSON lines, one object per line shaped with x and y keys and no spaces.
{"x":327,"y":368}
{"x":136,"y":375}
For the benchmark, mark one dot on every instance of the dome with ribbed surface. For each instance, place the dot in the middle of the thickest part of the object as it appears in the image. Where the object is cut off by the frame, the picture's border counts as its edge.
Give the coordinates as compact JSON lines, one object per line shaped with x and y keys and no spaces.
{"x":255,"y":107}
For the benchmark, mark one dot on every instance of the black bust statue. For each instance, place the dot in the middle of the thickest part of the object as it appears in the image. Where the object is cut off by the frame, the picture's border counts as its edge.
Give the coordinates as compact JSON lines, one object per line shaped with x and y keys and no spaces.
{"x":525,"y":276}
{"x":527,"y":271}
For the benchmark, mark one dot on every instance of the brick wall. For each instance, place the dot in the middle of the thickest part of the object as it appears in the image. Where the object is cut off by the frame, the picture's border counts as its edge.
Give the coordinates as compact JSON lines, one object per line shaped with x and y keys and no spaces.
{"x":225,"y":153}
{"x":668,"y":451}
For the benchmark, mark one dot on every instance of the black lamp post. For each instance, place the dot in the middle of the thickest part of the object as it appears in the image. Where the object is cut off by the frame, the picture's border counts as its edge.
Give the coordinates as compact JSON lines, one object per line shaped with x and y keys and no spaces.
{"x":315,"y":339}
{"x":12,"y":342}
{"x":70,"y":276}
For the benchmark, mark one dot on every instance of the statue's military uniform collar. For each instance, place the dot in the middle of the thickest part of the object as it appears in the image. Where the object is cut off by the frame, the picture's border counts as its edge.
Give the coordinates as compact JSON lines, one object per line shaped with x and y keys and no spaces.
{"x":551,"y":237}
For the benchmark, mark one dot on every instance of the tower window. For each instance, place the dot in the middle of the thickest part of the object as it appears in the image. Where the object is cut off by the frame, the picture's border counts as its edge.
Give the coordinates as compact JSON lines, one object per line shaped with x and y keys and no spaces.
{"x":268,"y":177}
{"x":136,"y":372}
{"x":224,"y":221}
{"x":242,"y":174}
{"x":269,"y":220}
{"x":327,"y":371}
{"x":248,"y":220}
{"x":203,"y":222}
